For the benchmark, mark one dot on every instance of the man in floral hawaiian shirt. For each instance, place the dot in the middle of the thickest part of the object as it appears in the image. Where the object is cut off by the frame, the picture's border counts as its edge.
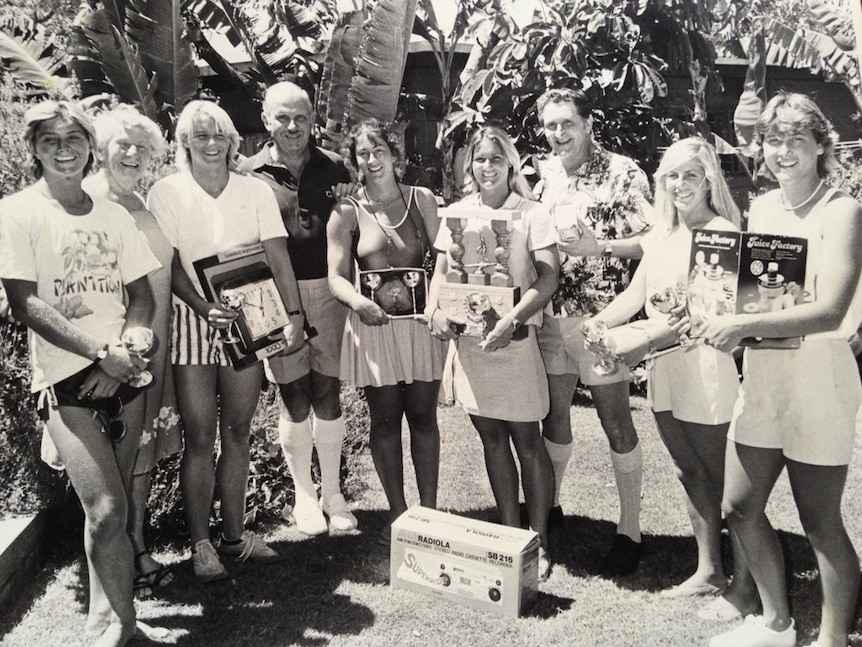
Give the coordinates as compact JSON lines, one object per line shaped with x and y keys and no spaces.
{"x":600,"y":202}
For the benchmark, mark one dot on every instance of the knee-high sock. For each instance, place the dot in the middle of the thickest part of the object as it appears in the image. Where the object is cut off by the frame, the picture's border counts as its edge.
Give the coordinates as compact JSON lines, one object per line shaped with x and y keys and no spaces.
{"x":297,"y":443}
{"x":628,"y":470}
{"x":559,"y":455}
{"x":328,"y":438}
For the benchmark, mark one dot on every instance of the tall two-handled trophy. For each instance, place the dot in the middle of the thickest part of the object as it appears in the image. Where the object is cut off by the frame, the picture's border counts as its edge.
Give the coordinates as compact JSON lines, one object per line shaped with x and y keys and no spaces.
{"x":477,"y":290}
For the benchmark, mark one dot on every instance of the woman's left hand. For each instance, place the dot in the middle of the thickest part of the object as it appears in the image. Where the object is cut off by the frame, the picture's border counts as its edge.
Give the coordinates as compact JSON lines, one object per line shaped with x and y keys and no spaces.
{"x":499,"y":337}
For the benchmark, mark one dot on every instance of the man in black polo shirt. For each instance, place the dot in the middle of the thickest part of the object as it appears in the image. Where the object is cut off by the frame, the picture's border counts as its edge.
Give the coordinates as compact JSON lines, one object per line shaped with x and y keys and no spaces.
{"x":307,"y":181}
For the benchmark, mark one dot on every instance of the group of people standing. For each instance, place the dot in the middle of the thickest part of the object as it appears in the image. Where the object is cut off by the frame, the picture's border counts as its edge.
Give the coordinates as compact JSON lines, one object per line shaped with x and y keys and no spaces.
{"x":85,"y":260}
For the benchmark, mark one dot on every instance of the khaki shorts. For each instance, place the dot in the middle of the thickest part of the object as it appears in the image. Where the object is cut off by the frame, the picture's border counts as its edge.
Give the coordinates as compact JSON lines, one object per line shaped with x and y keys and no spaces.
{"x":803,"y":401}
{"x":563,"y":351}
{"x":322,"y":352}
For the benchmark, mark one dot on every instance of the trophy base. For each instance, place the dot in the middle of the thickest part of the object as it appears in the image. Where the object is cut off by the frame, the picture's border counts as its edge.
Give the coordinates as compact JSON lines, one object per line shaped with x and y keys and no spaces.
{"x":479,"y":306}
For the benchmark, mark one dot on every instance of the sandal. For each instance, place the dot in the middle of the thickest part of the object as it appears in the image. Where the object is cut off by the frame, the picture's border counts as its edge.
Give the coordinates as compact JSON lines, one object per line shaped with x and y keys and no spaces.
{"x":161,"y":576}
{"x":142,"y":588}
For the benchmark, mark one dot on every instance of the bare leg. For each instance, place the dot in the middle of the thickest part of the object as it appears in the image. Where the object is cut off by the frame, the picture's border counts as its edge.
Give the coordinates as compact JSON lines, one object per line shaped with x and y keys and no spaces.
{"x":536,"y":476}
{"x":420,"y":408}
{"x":818,"y":490}
{"x":698,"y":455}
{"x":750,"y":475}
{"x":239,"y":391}
{"x":198,"y":407}
{"x":500,"y":465}
{"x":386,"y":408}
{"x":92,"y":467}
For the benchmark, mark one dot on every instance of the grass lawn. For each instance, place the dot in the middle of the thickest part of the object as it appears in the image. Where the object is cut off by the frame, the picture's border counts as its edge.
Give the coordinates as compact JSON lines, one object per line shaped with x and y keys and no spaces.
{"x":333,"y":590}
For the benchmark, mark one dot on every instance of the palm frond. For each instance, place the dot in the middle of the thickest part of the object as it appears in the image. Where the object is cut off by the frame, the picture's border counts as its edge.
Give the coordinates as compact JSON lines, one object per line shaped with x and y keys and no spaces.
{"x":157,"y":29}
{"x":98,"y":42}
{"x":30,"y":56}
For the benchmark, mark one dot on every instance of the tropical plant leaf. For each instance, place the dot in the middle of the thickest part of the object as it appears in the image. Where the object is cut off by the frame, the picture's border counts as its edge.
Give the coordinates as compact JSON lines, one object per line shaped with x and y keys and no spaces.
{"x":29,"y":55}
{"x":338,"y":70}
{"x":100,"y":42}
{"x":158,"y":31}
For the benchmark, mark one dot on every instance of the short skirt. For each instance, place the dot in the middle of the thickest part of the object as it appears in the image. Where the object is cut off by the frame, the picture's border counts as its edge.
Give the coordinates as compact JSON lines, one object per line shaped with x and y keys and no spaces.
{"x":402,"y":351}
{"x":507,"y":384}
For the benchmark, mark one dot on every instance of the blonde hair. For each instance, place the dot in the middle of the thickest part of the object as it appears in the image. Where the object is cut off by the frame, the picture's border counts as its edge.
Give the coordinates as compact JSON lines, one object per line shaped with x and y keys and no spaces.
{"x":702,"y":152}
{"x":517,"y":182}
{"x":185,"y":126}
{"x":123,"y":118}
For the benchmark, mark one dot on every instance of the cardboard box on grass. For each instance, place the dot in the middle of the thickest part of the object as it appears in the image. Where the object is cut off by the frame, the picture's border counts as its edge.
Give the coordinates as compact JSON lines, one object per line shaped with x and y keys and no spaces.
{"x":475,"y":563}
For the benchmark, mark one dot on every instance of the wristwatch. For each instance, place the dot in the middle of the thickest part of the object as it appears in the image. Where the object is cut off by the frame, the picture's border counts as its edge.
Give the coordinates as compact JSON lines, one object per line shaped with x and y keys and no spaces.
{"x":516,"y":324}
{"x":102,"y":354}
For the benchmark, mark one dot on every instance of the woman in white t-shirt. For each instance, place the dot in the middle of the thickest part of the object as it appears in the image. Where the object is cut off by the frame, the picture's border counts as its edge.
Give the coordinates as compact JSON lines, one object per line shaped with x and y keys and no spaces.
{"x":203,"y":210}
{"x":691,"y":389}
{"x":66,"y":258}
{"x":501,"y":381}
{"x":797,"y":407}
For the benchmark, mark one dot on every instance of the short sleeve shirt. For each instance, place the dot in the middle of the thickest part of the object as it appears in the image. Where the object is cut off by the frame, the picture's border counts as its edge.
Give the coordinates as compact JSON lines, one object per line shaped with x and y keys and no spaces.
{"x":615,"y":197}
{"x":305,"y":204}
{"x":200,"y":226}
{"x":531,"y":232}
{"x":79,"y":264}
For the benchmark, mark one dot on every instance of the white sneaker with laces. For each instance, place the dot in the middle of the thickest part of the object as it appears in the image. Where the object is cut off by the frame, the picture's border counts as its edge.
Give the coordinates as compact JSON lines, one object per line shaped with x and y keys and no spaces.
{"x":753,"y":632}
{"x":250,"y":547}
{"x":340,"y":517}
{"x":206,"y":564}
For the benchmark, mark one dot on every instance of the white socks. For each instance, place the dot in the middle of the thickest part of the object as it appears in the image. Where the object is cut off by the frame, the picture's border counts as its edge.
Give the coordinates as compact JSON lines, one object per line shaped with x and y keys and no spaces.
{"x":628,"y":470}
{"x":559,"y":455}
{"x":296,"y":443}
{"x":328,"y":437}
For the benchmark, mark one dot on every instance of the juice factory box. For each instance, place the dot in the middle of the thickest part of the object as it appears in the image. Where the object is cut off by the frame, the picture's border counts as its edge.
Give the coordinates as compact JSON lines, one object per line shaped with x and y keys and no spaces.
{"x":475,"y":563}
{"x":734,"y":272}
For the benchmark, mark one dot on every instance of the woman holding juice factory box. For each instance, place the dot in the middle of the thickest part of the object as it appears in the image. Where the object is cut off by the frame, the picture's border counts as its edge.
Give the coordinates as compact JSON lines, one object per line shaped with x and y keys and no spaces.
{"x":797,"y":407}
{"x":692,"y":388}
{"x":500,"y":381}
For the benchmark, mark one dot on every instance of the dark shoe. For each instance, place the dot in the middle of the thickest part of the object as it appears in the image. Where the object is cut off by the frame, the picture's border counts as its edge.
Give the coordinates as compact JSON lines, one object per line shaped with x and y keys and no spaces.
{"x":622,"y":558}
{"x":556,"y":518}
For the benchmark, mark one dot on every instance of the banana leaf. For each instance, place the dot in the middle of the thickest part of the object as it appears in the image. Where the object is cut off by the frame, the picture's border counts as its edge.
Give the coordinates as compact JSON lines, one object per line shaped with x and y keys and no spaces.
{"x":28,"y":54}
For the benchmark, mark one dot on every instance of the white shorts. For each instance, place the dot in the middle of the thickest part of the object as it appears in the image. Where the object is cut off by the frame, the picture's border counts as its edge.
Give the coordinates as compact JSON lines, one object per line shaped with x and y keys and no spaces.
{"x":802,"y":401}
{"x":563,"y":351}
{"x":322,"y":352}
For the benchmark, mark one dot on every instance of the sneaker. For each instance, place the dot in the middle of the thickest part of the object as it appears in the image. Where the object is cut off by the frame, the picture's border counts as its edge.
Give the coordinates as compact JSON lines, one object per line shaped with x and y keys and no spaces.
{"x":623,"y":557}
{"x":307,"y":517}
{"x":250,"y":547}
{"x":207,"y":565}
{"x":340,"y":517}
{"x":753,"y":632}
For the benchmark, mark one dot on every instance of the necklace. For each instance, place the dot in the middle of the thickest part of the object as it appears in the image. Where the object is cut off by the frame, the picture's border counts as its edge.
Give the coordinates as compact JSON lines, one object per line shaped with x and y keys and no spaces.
{"x":804,"y":202}
{"x":377,"y":218}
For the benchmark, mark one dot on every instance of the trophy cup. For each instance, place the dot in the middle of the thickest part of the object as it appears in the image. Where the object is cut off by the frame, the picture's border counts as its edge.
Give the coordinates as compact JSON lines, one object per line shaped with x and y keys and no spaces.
{"x":666,"y":300}
{"x":478,"y":297}
{"x":138,"y":340}
{"x":232,"y":300}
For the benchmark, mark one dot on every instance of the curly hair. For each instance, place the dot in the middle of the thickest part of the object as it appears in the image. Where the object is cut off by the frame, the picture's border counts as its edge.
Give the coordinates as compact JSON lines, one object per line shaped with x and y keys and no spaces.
{"x":123,"y":118}
{"x":377,"y":132}
{"x":796,"y":111}
{"x":46,"y":111}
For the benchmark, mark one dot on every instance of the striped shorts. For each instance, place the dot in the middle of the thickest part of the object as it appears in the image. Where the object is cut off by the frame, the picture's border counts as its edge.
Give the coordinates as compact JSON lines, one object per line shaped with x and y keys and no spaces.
{"x":193,"y":340}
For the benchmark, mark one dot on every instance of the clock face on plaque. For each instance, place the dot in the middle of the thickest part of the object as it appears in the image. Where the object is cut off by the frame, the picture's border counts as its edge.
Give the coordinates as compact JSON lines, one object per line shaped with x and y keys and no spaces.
{"x":263,"y":311}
